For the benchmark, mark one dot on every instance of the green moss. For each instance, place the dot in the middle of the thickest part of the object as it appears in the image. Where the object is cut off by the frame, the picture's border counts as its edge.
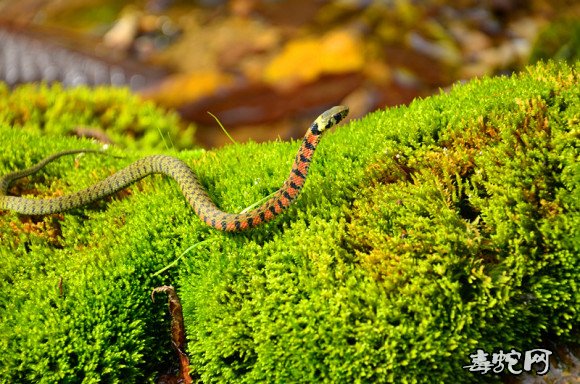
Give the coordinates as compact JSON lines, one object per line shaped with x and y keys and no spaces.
{"x":114,"y":113}
{"x":423,"y":233}
{"x":560,"y":40}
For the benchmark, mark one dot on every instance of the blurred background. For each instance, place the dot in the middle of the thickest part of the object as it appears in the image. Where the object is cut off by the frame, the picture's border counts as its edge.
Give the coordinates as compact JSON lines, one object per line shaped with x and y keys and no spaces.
{"x":266,"y":68}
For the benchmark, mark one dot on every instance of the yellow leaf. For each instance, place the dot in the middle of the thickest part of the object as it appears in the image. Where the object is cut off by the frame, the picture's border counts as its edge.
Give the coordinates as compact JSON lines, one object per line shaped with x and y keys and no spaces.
{"x":306,"y":59}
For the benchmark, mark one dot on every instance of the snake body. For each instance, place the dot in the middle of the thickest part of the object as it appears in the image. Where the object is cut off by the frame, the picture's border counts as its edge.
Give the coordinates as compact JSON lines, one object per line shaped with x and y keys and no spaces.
{"x":187,"y":180}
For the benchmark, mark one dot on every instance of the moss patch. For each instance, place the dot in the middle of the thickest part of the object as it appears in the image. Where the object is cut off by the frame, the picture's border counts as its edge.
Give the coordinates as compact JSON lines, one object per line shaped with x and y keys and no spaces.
{"x":423,"y":233}
{"x":112,"y":113}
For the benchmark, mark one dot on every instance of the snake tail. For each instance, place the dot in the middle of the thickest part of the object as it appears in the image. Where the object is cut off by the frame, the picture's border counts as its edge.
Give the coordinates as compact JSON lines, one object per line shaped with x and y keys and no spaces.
{"x":191,"y":188}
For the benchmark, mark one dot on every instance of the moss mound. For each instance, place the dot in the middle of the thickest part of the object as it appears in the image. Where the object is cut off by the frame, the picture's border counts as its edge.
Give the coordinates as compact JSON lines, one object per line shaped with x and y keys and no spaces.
{"x":423,"y":233}
{"x":113,"y":114}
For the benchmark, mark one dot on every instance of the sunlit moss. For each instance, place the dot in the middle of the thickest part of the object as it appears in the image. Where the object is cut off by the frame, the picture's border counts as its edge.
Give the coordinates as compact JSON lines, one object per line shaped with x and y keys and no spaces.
{"x":422,"y":233}
{"x":116,"y":114}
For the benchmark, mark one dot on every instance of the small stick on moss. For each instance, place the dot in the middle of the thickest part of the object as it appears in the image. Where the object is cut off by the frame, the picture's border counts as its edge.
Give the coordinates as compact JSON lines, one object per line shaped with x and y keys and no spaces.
{"x":60,"y":287}
{"x":92,"y":133}
{"x":177,"y":331}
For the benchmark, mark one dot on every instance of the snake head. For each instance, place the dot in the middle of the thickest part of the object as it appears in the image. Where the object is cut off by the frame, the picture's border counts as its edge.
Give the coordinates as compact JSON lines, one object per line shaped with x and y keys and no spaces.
{"x":329,"y":118}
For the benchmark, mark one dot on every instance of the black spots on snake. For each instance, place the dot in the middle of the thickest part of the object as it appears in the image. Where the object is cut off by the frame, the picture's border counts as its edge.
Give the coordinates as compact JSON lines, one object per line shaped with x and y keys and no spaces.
{"x":297,"y":172}
{"x":314,"y":128}
{"x":309,"y":146}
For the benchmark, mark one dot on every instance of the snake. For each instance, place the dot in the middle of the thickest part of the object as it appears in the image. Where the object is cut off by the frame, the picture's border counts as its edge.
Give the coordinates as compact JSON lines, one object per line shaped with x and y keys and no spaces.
{"x":186,"y":178}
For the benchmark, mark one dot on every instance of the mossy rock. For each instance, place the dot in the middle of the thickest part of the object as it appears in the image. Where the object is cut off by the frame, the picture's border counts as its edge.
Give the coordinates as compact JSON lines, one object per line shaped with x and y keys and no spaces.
{"x":422,"y":234}
{"x":112,"y":114}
